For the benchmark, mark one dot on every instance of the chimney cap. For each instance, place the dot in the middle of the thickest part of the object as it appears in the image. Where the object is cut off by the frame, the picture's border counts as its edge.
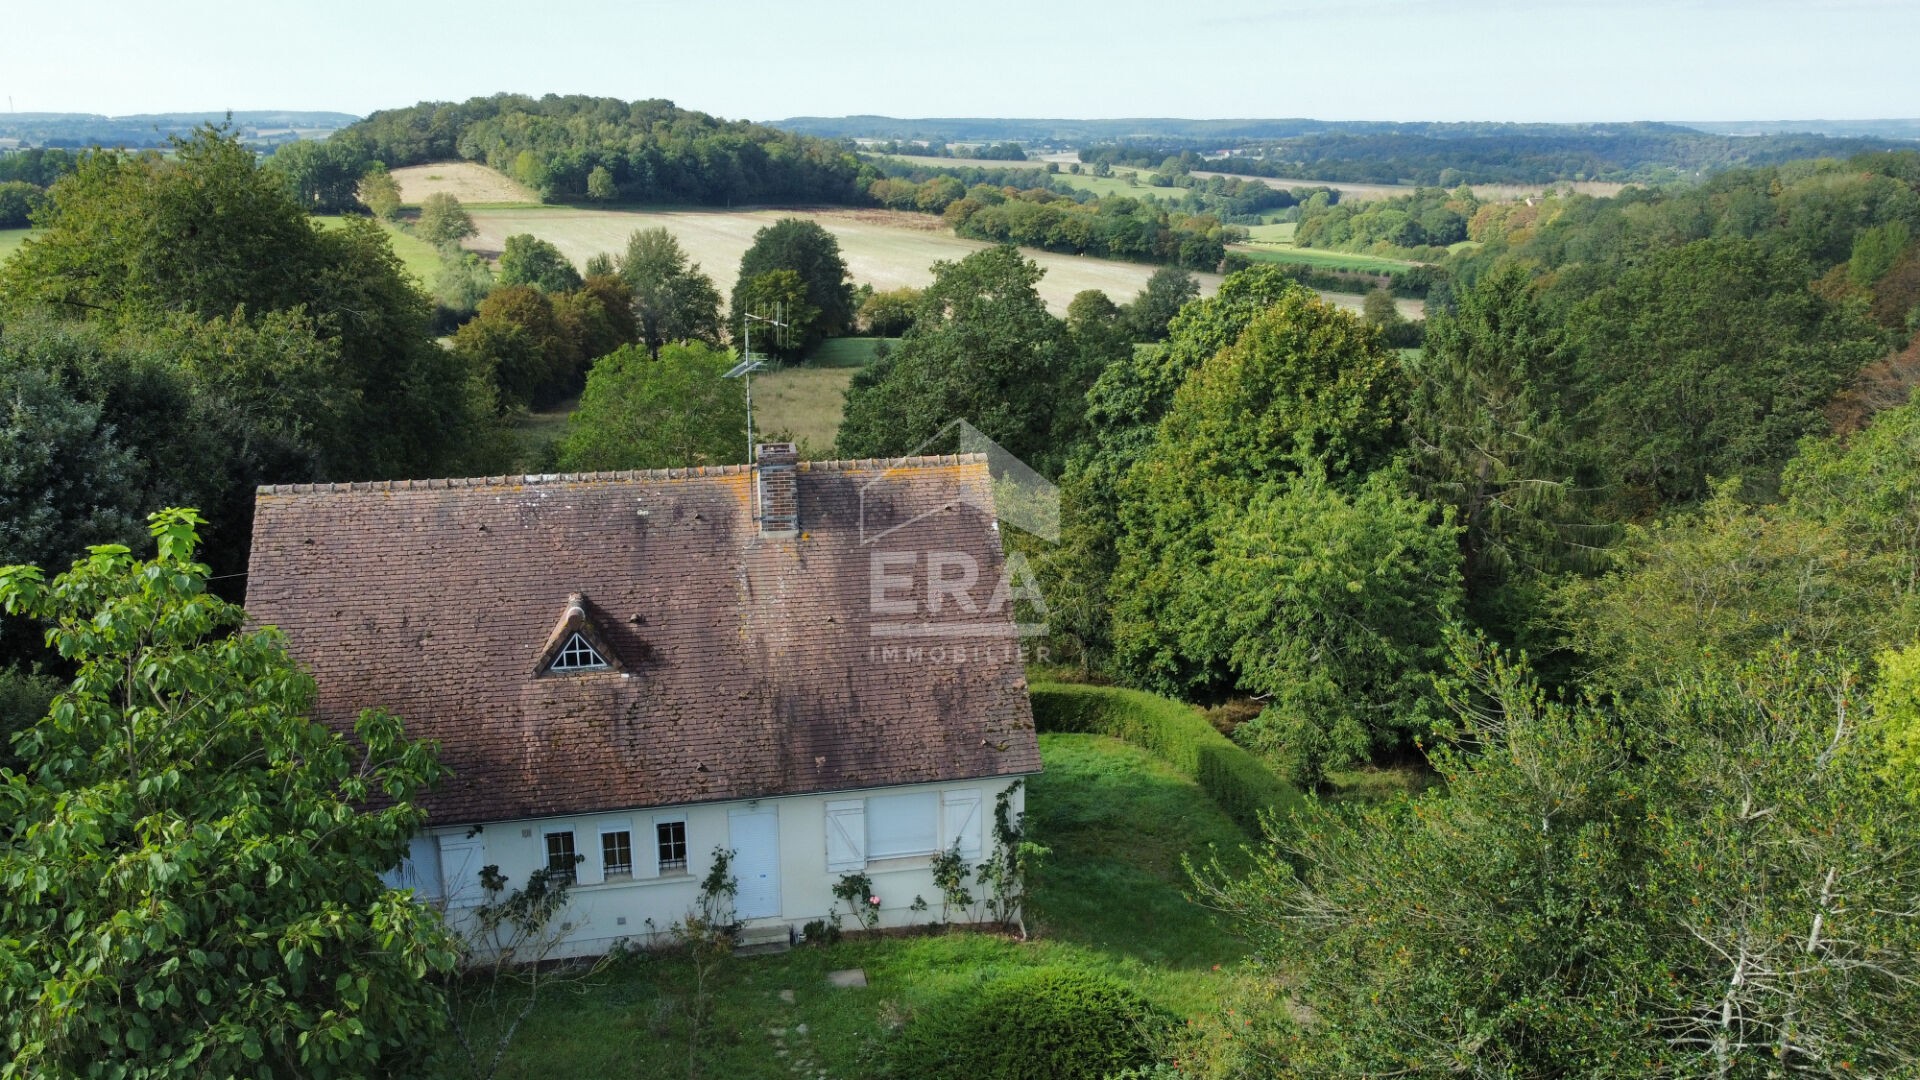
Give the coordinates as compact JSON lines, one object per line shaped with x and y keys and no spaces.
{"x":777,"y":453}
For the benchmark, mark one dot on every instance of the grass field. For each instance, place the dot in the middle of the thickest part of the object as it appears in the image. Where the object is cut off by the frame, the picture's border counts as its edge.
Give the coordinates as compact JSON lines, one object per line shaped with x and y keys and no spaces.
{"x":803,"y":404}
{"x":418,"y":256}
{"x":10,"y":241}
{"x":887,"y":249}
{"x":1108,"y":899}
{"x":848,"y":352}
{"x":1320,"y":259}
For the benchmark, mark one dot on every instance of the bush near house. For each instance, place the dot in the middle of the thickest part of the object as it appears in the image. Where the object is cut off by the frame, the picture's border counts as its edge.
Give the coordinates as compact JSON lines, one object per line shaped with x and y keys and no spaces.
{"x":1176,"y":733}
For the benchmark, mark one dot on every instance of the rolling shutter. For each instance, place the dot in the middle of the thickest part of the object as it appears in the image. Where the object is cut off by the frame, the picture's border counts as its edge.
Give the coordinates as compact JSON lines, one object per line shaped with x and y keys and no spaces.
{"x":846,"y":836}
{"x":960,"y":820}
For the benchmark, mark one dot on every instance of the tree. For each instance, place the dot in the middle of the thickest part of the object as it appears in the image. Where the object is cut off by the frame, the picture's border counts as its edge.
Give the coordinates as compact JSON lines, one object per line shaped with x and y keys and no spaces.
{"x":322,"y":175}
{"x":810,"y":251}
{"x":516,"y":341}
{"x":526,"y":259}
{"x":672,"y":299}
{"x":1307,"y":387}
{"x":194,"y":880}
{"x":781,"y":296}
{"x":983,"y":349}
{"x":1166,"y":292}
{"x":18,"y":201}
{"x":1713,"y":882}
{"x":889,"y":312}
{"x":1711,"y":360}
{"x":639,"y":412}
{"x":1485,"y":424}
{"x":1896,"y":701}
{"x":380,"y":193}
{"x":600,"y":185}
{"x":443,"y":221}
{"x":66,"y":481}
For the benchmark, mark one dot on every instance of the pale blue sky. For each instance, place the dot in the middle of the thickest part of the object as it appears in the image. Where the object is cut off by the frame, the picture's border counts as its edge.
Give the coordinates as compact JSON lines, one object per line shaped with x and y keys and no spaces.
{"x":1350,"y":59}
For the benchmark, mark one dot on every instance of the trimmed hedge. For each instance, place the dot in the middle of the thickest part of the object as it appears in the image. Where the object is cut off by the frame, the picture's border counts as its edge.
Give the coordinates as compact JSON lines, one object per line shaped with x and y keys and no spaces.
{"x":1173,"y":732}
{"x":1041,"y":1024}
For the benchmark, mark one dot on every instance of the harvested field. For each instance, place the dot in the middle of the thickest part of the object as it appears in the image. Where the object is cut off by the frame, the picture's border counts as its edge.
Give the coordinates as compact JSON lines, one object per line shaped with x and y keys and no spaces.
{"x":467,"y":181}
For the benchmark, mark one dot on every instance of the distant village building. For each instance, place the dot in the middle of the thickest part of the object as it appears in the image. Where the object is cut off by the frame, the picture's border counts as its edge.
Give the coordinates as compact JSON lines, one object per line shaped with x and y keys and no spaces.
{"x":627,"y":670}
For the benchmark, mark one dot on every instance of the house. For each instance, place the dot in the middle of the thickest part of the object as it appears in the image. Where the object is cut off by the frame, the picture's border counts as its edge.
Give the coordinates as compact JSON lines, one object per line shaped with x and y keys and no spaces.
{"x":810,"y":663}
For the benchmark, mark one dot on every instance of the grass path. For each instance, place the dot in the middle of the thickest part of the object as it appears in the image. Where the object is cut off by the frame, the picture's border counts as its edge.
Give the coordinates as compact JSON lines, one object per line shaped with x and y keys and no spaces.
{"x":1107,"y":900}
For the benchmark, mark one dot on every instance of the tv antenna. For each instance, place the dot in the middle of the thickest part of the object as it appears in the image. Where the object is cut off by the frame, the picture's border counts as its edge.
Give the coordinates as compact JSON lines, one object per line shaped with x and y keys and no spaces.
{"x":750,"y":362}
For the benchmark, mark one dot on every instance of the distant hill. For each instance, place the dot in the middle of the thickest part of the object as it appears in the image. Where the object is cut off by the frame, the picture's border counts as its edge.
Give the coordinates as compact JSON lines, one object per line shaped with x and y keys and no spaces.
{"x":264,"y":126}
{"x":1874,"y":129}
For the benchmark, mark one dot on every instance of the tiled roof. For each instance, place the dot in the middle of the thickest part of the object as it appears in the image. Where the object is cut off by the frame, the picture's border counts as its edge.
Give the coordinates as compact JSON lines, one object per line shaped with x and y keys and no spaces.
{"x":748,"y":666}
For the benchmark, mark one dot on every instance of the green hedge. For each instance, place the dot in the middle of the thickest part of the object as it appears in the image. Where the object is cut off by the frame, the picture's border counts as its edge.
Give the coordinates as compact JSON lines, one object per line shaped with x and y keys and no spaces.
{"x":1040,"y":1024}
{"x":1175,"y":733}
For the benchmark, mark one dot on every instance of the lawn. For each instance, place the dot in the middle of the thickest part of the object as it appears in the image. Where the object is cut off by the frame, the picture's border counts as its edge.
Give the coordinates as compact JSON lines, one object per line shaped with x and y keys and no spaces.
{"x":1108,"y":899}
{"x":416,"y":255}
{"x":10,"y":241}
{"x":1273,"y":232}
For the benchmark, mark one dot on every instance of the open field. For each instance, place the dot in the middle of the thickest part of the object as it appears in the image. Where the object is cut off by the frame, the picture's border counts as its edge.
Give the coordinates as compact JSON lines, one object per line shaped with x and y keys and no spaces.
{"x":804,"y":403}
{"x":1273,"y":232}
{"x":1117,"y":821}
{"x":1484,"y":192}
{"x":470,"y":182}
{"x":886,"y":248}
{"x":418,"y":256}
{"x":10,"y":241}
{"x":1322,"y":259}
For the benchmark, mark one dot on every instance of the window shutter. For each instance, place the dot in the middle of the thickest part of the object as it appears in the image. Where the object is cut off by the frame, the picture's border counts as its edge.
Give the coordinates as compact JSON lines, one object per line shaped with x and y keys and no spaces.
{"x":960,"y":820}
{"x":461,"y":861}
{"x":846,"y":836}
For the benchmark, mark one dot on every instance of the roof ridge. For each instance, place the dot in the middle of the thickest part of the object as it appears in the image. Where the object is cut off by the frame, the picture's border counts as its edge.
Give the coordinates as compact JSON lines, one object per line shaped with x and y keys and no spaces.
{"x":692,"y":472}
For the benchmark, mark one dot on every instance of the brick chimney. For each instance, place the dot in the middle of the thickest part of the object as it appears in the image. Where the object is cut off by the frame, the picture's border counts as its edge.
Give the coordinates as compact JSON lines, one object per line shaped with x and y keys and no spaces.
{"x":776,"y":466}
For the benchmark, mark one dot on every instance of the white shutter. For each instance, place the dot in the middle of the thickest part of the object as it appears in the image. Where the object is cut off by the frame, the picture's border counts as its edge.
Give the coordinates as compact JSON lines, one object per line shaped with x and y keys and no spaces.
{"x":460,"y":862}
{"x":846,"y":836}
{"x":960,"y":820}
{"x":902,"y":825}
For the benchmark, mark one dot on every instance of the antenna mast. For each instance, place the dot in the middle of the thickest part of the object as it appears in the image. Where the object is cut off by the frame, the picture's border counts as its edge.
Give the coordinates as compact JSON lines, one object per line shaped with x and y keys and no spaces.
{"x":750,"y":363}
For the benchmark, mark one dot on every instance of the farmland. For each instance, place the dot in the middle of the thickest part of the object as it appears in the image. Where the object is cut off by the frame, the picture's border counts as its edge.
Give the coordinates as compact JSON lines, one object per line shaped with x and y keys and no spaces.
{"x":416,"y":255}
{"x":471,"y":183}
{"x":1488,"y":192}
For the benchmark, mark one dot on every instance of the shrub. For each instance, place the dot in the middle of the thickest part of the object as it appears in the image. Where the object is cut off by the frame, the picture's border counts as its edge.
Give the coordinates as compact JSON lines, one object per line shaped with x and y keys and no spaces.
{"x":1043,"y":1024}
{"x":1175,"y":733}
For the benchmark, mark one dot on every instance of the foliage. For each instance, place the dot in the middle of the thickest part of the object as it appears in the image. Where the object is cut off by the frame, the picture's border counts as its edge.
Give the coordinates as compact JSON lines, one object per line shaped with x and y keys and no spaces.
{"x":1867,"y":488}
{"x":651,"y":151}
{"x":856,"y":891}
{"x":1702,"y":884}
{"x":950,"y":874}
{"x":1175,"y":733}
{"x":1165,"y":293}
{"x":19,"y":201}
{"x":708,"y":931}
{"x":811,"y":252}
{"x":638,"y":412}
{"x":984,"y":349}
{"x":443,"y":221}
{"x":1116,"y":227}
{"x":24,"y":698}
{"x":380,"y":193}
{"x":601,"y":187}
{"x":1710,"y":360}
{"x":323,"y":176}
{"x":1896,"y":701}
{"x":1008,"y":872}
{"x":1333,"y":609}
{"x":526,"y":259}
{"x":66,"y":481}
{"x":771,"y":311}
{"x":193,"y":884}
{"x":1039,"y":1024}
{"x":672,"y":300}
{"x":889,"y":312}
{"x":1306,"y":387}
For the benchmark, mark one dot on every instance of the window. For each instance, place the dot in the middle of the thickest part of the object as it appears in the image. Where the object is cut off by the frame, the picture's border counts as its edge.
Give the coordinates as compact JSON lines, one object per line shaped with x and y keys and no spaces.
{"x":561,"y":858}
{"x":671,"y":837}
{"x":616,"y":853}
{"x":901,"y":825}
{"x":577,"y":655}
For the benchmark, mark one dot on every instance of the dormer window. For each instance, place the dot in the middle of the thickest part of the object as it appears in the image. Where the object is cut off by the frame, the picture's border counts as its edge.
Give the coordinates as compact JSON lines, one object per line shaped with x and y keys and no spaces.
{"x":576,"y":646}
{"x":578,"y":654}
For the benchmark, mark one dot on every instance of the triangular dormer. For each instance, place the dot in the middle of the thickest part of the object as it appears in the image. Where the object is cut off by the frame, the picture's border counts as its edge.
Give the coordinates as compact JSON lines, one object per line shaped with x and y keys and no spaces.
{"x":576,"y":646}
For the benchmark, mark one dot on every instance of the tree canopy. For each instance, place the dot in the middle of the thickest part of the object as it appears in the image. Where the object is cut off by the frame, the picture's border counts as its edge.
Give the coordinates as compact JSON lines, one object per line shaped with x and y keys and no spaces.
{"x":193,"y":877}
{"x":643,"y":412}
{"x":824,"y":307}
{"x":672,"y":299}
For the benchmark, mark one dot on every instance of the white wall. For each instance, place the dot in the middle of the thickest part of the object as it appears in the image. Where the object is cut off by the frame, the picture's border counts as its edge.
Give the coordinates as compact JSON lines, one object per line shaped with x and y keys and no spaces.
{"x":604,"y":911}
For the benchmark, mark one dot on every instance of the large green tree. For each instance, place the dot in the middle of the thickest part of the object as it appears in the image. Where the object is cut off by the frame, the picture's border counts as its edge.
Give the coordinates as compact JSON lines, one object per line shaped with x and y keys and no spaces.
{"x":672,"y":299}
{"x":528,"y":260}
{"x":443,"y":221}
{"x":983,"y":349}
{"x":809,"y":250}
{"x":1710,"y":360}
{"x":323,"y":175}
{"x":646,"y":412}
{"x":192,"y":873}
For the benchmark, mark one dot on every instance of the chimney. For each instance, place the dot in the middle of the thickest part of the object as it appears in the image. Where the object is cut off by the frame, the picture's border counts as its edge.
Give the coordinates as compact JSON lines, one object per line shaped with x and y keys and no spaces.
{"x":777,"y":468}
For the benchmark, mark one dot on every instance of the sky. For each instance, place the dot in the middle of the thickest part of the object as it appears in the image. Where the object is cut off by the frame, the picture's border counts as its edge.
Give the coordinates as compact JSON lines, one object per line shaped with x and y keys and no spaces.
{"x":1545,"y":60}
